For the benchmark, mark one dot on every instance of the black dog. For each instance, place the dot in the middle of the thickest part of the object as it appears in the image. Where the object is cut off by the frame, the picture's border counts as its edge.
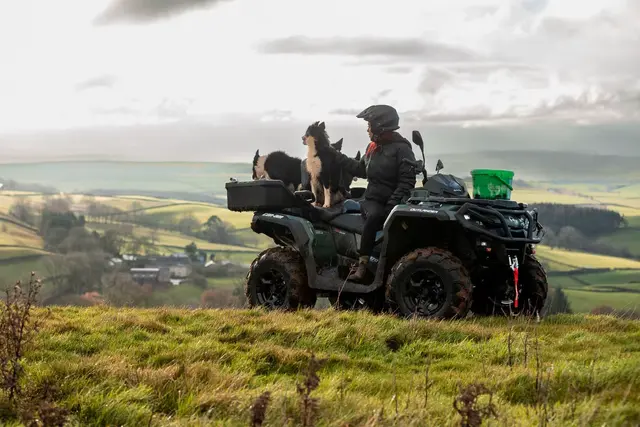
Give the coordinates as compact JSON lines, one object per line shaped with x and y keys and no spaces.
{"x":325,"y":174}
{"x":279,"y":165}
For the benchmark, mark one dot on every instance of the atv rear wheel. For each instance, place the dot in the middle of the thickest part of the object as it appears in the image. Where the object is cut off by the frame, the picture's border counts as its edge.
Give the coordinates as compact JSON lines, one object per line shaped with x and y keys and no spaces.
{"x":277,"y":280}
{"x":430,"y":283}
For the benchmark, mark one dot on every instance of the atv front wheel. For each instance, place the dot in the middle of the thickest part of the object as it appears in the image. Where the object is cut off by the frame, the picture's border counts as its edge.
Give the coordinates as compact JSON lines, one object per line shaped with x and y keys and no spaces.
{"x":534,"y":287}
{"x":277,"y":280}
{"x":430,"y":283}
{"x":533,"y":294}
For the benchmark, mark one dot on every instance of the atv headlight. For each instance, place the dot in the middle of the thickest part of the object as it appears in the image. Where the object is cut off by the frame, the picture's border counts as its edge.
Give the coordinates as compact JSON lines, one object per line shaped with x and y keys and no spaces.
{"x":514,"y":221}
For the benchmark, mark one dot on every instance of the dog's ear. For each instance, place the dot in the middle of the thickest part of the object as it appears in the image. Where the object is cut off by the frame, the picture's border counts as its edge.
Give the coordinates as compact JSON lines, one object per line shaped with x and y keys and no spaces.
{"x":338,"y":145}
{"x":321,"y":125}
{"x":358,"y":155}
{"x":256,"y":157}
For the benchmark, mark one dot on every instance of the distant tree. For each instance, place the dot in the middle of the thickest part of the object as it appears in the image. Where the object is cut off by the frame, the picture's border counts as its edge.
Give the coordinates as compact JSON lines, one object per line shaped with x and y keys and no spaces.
{"x":22,"y":210}
{"x":192,"y":251}
{"x":56,"y":221}
{"x":84,"y":271}
{"x":78,"y":239}
{"x":188,"y":224}
{"x":74,"y":273}
{"x":120,"y":290}
{"x":589,"y":221}
{"x":112,"y":242}
{"x":198,"y":280}
{"x":218,"y":231}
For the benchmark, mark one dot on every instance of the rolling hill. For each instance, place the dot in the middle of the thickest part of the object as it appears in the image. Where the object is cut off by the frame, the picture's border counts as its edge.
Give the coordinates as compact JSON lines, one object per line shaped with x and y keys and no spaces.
{"x":22,"y":247}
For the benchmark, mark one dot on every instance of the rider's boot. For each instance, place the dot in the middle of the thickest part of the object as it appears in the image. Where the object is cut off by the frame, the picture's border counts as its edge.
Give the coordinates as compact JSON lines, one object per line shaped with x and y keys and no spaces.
{"x":358,"y":275}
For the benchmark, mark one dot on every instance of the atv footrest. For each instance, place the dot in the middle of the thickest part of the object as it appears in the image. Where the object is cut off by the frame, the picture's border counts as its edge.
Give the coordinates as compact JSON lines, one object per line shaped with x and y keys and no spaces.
{"x":330,"y":281}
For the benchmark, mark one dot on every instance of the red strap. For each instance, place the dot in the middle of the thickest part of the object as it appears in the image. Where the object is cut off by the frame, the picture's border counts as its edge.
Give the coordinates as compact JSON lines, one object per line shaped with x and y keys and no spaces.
{"x":371,"y":148}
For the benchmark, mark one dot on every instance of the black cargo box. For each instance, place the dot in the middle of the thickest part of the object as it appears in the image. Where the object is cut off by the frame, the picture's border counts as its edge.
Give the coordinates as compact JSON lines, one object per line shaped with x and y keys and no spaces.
{"x":261,"y":195}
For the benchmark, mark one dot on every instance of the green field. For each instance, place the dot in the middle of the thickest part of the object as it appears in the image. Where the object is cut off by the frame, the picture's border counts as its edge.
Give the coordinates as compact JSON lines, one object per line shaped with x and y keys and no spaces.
{"x":202,"y":212}
{"x":582,"y":301}
{"x":570,"y":260}
{"x":21,"y":270}
{"x":169,"y":367}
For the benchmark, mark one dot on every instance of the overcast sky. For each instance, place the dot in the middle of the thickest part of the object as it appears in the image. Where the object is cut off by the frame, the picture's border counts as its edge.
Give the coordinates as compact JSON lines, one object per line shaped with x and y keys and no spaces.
{"x":78,"y":74}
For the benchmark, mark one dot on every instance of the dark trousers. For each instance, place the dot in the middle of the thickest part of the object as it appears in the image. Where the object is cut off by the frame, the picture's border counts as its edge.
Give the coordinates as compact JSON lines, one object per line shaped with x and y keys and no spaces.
{"x":374,"y":214}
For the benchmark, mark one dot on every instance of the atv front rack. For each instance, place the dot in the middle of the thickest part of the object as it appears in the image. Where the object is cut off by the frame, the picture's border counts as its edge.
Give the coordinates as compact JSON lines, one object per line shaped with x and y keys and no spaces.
{"x":484,"y":215}
{"x":490,"y":212}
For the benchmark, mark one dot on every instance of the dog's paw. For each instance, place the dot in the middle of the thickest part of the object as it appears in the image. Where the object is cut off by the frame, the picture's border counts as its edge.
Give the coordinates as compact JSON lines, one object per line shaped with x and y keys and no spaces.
{"x":326,"y":205}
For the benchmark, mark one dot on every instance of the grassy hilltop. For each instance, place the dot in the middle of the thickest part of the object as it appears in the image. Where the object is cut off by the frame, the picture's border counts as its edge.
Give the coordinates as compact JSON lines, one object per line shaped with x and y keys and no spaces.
{"x":206,"y":367}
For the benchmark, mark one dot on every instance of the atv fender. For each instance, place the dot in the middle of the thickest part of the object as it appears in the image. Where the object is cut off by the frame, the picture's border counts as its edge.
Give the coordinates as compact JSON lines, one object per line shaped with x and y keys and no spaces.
{"x":300,"y":229}
{"x":398,"y":213}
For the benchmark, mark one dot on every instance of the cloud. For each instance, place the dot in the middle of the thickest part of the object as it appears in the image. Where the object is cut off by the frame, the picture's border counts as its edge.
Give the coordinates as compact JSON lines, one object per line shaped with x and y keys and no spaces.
{"x":366,"y":47}
{"x":103,"y":81}
{"x":143,"y":11}
{"x":434,"y":80}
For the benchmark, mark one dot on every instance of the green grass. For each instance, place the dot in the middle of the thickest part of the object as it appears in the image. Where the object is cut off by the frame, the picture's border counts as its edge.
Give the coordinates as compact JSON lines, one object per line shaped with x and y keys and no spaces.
{"x":9,"y":252}
{"x":11,"y":272}
{"x":206,"y":367}
{"x":224,"y":282}
{"x":184,"y":295}
{"x":583,"y":301}
{"x":16,"y":235}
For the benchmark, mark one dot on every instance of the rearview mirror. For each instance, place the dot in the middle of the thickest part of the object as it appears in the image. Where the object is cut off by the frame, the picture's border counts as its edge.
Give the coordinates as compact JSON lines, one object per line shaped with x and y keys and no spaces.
{"x":417,"y":139}
{"x":439,"y":166}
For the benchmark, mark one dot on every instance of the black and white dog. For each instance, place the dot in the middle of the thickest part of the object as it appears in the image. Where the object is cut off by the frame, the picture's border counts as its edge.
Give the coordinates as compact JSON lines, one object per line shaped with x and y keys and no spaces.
{"x":325,"y":173}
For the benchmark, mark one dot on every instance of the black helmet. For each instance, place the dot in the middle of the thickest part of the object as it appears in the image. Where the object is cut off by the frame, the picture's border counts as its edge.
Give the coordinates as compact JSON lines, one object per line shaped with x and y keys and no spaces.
{"x":382,"y":118}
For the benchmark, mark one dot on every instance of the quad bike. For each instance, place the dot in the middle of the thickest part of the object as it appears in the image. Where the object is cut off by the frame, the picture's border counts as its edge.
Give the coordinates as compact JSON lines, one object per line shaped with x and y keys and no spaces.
{"x":439,"y":255}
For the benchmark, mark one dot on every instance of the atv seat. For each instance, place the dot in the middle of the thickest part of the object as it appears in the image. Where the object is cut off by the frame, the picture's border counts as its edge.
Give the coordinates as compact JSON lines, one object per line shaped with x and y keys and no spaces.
{"x":350,"y":222}
{"x":349,"y":206}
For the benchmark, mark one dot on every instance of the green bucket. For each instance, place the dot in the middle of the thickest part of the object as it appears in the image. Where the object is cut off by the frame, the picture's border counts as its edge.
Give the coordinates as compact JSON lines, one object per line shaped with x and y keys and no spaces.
{"x":492,"y":184}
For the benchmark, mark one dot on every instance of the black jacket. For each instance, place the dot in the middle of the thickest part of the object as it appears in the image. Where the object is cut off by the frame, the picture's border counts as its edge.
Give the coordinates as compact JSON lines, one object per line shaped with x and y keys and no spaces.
{"x":389,"y":180}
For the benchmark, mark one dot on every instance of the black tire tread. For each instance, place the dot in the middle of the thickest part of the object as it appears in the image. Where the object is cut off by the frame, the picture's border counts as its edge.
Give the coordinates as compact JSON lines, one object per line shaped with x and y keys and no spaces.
{"x":300,"y":295}
{"x":462,"y":286}
{"x":535,"y":286}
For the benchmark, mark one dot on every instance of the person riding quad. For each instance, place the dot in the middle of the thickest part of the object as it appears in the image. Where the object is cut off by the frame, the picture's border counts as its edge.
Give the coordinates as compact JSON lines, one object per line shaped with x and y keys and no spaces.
{"x":390,"y":180}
